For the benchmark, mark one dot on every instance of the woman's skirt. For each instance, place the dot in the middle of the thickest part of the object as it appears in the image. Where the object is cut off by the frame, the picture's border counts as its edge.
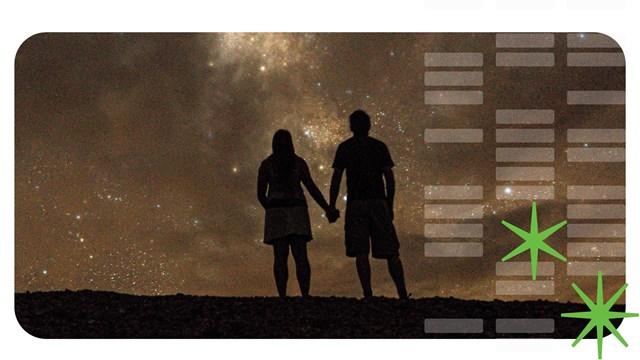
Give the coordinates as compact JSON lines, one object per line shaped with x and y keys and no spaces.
{"x":285,"y":221}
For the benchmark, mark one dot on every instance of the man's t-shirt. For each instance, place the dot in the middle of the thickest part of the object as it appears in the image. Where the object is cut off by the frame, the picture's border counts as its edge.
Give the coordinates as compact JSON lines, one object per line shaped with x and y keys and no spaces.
{"x":364,"y":158}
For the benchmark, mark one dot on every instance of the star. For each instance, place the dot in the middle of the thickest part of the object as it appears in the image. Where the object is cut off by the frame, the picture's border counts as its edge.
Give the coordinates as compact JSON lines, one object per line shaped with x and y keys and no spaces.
{"x":599,"y":315}
{"x":534,"y":241}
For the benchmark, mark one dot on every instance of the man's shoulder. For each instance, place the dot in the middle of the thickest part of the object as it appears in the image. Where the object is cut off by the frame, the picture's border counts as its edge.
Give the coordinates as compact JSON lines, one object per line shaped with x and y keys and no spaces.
{"x":376,"y":142}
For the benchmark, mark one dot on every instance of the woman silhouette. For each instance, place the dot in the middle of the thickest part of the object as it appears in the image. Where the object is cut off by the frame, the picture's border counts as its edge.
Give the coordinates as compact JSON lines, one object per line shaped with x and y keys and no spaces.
{"x":287,"y":216}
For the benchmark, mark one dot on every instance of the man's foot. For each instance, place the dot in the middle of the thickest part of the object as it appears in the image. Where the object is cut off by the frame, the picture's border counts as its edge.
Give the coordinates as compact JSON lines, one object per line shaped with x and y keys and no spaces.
{"x":402,"y":294}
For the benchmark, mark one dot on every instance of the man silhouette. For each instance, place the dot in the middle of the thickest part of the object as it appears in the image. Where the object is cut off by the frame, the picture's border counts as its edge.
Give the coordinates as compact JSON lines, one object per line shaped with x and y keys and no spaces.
{"x":369,"y":214}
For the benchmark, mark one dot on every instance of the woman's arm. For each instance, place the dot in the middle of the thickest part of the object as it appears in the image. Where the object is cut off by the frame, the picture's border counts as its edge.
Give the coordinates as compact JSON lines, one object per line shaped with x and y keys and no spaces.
{"x":315,"y":193}
{"x":262,"y":186}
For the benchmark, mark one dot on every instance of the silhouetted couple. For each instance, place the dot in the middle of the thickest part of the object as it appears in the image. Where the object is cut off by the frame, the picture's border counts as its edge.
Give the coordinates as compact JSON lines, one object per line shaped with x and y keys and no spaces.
{"x":369,"y":214}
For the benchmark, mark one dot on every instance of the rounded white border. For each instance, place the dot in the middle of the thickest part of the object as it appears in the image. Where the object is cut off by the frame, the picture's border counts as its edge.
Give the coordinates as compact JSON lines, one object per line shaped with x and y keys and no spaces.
{"x":25,"y":18}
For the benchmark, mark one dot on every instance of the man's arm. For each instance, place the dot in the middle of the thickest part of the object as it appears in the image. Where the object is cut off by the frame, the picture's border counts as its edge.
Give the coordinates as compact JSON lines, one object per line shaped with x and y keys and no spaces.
{"x":390,"y":183}
{"x":334,"y":191}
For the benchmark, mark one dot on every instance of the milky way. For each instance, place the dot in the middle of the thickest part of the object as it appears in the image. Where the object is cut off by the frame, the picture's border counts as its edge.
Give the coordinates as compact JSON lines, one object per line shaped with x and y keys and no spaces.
{"x":137,"y":157}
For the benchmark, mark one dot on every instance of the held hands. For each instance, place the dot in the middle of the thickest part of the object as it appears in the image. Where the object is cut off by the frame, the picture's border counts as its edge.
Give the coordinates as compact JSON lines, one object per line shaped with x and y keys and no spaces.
{"x":332,"y":214}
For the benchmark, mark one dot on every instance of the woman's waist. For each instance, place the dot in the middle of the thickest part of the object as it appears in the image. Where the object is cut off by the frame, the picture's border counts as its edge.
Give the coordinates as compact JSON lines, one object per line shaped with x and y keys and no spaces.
{"x":285,"y":200}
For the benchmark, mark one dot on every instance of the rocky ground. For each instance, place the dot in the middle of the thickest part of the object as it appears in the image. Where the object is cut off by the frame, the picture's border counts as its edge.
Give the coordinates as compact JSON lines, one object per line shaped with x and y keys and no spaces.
{"x":90,"y":314}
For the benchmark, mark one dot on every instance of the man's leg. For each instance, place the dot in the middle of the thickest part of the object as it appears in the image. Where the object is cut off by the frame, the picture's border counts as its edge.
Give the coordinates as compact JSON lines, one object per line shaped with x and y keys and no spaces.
{"x":280,"y":269}
{"x":397,"y":274}
{"x":303,"y":269}
{"x":364,"y":273}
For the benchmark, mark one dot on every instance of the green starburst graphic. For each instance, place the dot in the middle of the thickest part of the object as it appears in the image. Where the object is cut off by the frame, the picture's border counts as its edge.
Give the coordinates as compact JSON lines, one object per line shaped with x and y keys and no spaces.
{"x":534,"y":241}
{"x":599,"y":315}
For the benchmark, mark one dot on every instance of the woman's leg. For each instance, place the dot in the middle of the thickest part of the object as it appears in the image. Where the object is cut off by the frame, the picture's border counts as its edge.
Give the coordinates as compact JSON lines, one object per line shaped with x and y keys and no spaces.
{"x":280,"y":269}
{"x":303,"y":269}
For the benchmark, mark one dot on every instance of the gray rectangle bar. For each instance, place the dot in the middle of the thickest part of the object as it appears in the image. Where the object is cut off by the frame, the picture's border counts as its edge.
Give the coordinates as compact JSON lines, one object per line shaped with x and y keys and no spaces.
{"x":453,"y":59}
{"x":453,"y":192}
{"x":592,"y":268}
{"x":595,"y":154}
{"x":524,"y":287}
{"x":525,"y":59}
{"x":525,"y":192}
{"x":595,"y":135}
{"x":453,"y":326}
{"x":595,"y":97}
{"x":441,"y":97}
{"x":536,"y":40}
{"x":453,"y":78}
{"x":590,"y":40}
{"x":453,"y":211}
{"x":593,"y":211}
{"x":524,"y":135}
{"x":518,"y":268}
{"x":525,"y":155}
{"x":595,"y":230}
{"x":525,"y":326}
{"x":595,"y":249}
{"x":453,"y":249}
{"x":595,"y":59}
{"x":525,"y":173}
{"x":453,"y":230}
{"x":453,"y":135}
{"x":595,"y":192}
{"x":524,"y":116}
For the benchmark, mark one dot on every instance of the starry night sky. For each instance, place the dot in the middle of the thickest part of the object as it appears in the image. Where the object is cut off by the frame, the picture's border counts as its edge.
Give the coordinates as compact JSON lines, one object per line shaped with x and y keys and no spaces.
{"x":137,"y":157}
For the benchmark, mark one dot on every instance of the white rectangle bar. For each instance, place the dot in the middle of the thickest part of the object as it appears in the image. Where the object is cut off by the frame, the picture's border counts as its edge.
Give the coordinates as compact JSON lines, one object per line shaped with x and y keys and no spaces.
{"x":595,"y":154}
{"x":517,"y":268}
{"x":525,"y":326}
{"x":525,"y":4}
{"x":525,"y":155}
{"x":596,"y":5}
{"x":453,"y":326}
{"x":595,"y":211}
{"x":453,"y":230}
{"x":595,"y":249}
{"x":595,"y":135}
{"x":524,"y":192}
{"x":575,"y":268}
{"x":454,"y":211}
{"x":441,"y":97}
{"x":595,"y":98}
{"x":537,"y":40}
{"x":453,"y":78}
{"x":595,"y":230}
{"x":527,"y":287}
{"x":454,"y":5}
{"x":595,"y":192}
{"x":459,"y":249}
{"x":524,"y":116}
{"x":524,"y":135}
{"x":453,"y":59}
{"x":453,"y":135}
{"x":453,"y":192}
{"x":590,"y":40}
{"x":525,"y":59}
{"x":525,"y":173}
{"x":595,"y":59}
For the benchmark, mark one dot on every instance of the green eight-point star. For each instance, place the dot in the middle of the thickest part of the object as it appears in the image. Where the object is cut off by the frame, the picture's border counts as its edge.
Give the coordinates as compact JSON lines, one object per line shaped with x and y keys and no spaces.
{"x":599,"y":315}
{"x":534,"y":241}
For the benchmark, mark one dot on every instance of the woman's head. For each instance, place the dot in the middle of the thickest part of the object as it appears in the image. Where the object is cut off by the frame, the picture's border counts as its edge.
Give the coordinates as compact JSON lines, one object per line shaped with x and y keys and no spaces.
{"x":282,"y":144}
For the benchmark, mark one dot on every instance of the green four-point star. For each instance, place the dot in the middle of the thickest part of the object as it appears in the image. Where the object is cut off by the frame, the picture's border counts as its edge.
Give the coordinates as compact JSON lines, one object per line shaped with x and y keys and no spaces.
{"x":534,"y":241}
{"x":599,"y":315}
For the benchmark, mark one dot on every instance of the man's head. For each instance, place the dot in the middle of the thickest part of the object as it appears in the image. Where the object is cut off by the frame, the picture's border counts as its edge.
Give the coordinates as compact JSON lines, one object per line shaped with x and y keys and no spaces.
{"x":360,"y":123}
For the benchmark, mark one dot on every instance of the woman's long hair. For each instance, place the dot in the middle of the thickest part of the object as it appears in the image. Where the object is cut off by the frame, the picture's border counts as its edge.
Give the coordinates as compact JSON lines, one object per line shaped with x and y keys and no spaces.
{"x":284,"y":155}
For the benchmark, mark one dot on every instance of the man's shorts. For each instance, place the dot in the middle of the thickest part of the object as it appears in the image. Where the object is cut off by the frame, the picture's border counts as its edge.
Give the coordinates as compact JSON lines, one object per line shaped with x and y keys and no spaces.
{"x":370,"y":219}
